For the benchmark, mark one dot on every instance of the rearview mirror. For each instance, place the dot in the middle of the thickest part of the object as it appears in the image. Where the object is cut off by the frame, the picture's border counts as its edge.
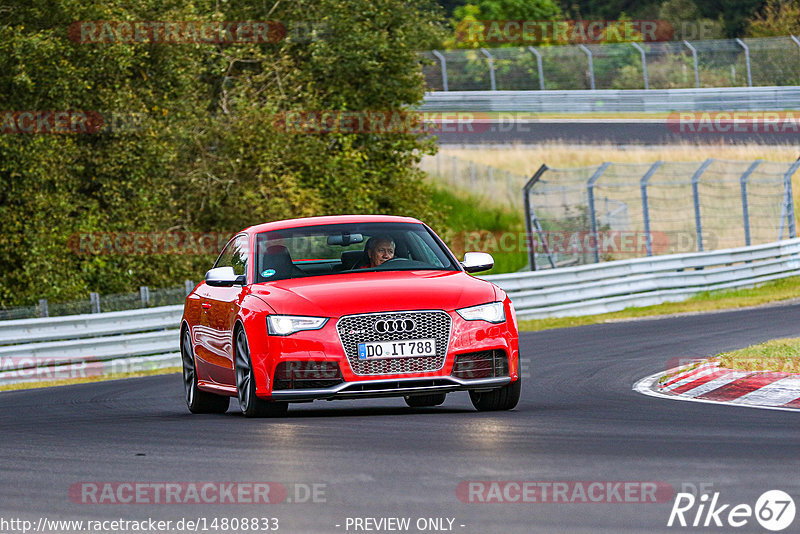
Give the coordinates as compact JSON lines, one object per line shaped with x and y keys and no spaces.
{"x":475,"y":262}
{"x":224,"y":277}
{"x":345,"y":239}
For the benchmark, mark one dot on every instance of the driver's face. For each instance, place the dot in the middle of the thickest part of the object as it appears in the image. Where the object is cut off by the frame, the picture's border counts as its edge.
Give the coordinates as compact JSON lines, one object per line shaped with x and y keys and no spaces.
{"x":383,"y":251}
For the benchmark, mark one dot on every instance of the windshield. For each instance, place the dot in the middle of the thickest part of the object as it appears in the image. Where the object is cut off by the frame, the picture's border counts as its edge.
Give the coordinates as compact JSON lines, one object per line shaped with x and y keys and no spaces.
{"x":341,"y":248}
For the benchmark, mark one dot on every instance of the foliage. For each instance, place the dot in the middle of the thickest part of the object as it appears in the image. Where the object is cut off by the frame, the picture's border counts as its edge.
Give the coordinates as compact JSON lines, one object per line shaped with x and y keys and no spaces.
{"x":206,"y":155}
{"x":777,"y":18}
{"x":471,"y":15}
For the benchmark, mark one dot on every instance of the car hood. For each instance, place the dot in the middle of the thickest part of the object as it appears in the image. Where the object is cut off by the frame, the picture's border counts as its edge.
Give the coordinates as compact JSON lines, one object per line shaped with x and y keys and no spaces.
{"x":351,"y":293}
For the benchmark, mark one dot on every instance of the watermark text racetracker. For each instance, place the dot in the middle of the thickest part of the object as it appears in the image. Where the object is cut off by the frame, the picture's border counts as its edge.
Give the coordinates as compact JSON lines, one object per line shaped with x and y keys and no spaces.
{"x":393,"y":122}
{"x":69,"y":122}
{"x":565,"y":242}
{"x":32,"y":368}
{"x":143,"y":243}
{"x":735,"y":122}
{"x":160,"y":32}
{"x":528,"y":32}
{"x":564,"y":492}
{"x":200,"y":492}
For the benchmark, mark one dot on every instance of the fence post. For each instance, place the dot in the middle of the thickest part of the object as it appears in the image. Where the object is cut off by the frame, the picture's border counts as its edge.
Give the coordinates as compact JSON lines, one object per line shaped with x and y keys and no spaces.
{"x":745,"y":210}
{"x":746,"y":61}
{"x":443,"y":64}
{"x":490,"y":61}
{"x":43,"y":309}
{"x":644,"y":63}
{"x":645,"y":205}
{"x":592,"y":212}
{"x":538,"y":66}
{"x":188,"y":285}
{"x":591,"y":65}
{"x":144,"y":294}
{"x":694,"y":59}
{"x":94,"y":298}
{"x":696,"y":196}
{"x":795,"y":39}
{"x":531,"y":222}
{"x":787,"y":211}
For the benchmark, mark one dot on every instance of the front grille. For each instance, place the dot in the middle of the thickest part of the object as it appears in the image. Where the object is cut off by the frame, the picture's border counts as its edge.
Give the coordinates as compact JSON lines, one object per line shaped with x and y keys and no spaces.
{"x":307,"y":374}
{"x":483,"y":364}
{"x":355,"y":329}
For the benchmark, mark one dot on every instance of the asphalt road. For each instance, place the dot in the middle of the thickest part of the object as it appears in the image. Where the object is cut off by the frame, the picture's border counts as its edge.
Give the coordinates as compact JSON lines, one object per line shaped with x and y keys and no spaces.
{"x":603,"y":131}
{"x":578,"y":420}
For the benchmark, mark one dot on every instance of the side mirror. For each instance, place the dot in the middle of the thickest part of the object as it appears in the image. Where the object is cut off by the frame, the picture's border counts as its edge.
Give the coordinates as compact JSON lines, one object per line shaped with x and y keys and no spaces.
{"x":224,"y":277}
{"x":477,"y":261}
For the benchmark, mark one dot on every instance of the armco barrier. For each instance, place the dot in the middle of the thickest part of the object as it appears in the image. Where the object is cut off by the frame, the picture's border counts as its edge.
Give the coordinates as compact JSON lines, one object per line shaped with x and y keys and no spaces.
{"x":613,"y":286}
{"x":91,"y":344}
{"x":616,"y":100}
{"x":89,"y":325}
{"x":139,"y":339}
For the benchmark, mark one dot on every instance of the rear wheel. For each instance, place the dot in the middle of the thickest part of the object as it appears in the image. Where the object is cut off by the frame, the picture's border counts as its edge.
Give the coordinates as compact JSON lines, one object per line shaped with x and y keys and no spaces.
{"x":250,"y":404}
{"x":504,"y":398}
{"x":420,"y":401}
{"x":198,"y":401}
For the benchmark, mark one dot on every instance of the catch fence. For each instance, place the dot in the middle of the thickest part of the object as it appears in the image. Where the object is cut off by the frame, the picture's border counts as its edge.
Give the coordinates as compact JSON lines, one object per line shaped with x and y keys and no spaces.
{"x":622,"y":210}
{"x":767,"y":61}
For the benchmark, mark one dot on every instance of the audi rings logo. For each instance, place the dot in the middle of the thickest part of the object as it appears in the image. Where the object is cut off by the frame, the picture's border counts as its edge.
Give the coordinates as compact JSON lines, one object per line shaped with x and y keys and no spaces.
{"x":394,"y":326}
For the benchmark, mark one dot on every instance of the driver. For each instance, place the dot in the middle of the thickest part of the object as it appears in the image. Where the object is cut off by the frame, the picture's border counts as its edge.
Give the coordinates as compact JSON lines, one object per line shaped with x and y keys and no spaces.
{"x":380,"y":249}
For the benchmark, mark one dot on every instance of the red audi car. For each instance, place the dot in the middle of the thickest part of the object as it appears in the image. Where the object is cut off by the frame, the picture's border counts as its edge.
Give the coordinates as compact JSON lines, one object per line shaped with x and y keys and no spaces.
{"x":346,"y":307}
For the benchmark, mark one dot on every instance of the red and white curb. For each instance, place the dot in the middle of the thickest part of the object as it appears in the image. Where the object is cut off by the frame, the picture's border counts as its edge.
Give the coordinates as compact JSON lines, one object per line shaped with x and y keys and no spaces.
{"x":708,"y":382}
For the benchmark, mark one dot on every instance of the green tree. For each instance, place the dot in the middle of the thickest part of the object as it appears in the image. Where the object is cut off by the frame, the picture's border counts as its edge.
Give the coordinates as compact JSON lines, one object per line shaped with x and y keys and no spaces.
{"x":206,"y":154}
{"x":776,"y":18}
{"x":468,"y":17}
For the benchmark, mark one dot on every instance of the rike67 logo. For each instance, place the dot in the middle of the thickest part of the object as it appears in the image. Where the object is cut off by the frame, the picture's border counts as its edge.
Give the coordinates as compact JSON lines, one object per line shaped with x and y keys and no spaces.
{"x":774,"y":510}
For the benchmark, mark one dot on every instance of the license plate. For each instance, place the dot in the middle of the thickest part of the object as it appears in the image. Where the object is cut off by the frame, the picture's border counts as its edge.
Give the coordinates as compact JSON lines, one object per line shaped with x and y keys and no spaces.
{"x":374,"y":350}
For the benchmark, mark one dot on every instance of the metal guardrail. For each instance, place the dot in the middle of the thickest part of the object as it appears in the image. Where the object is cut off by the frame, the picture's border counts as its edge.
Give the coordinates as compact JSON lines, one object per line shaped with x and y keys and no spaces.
{"x":89,"y":344}
{"x":616,"y":100}
{"x":89,"y":325}
{"x":613,"y":286}
{"x":64,"y":347}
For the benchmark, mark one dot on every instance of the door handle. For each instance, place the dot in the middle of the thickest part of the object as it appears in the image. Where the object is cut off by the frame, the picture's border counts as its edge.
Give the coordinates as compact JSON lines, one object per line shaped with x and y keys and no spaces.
{"x":206,"y":305}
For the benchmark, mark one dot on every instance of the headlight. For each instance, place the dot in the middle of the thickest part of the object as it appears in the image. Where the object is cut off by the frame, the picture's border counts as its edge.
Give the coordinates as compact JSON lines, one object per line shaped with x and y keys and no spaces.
{"x":283,"y":325}
{"x":492,"y":312}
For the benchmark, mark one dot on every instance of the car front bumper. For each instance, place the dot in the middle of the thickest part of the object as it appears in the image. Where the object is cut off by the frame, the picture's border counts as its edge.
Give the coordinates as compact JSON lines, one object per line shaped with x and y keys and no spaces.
{"x":395,"y":387}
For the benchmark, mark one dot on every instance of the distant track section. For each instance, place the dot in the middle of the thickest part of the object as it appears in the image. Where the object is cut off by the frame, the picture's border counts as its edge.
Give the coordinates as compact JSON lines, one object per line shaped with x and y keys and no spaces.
{"x":600,"y":131}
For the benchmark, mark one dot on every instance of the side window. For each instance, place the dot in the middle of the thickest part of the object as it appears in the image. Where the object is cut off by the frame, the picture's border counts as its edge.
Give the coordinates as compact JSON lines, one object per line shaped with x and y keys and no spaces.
{"x":235,"y":255}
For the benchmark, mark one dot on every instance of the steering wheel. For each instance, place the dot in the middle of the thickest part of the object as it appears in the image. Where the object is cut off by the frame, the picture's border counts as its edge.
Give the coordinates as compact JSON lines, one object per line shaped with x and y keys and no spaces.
{"x":394,"y":259}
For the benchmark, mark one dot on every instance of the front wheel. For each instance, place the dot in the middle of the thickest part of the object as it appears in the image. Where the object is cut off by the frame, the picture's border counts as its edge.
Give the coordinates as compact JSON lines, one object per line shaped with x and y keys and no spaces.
{"x":198,"y":401}
{"x":250,"y":404}
{"x":504,"y":398}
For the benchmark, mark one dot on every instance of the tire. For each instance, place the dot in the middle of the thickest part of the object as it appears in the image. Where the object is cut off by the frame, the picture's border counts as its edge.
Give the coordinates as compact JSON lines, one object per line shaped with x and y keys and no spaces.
{"x":504,"y":398}
{"x":420,"y":401}
{"x":250,"y":404}
{"x":198,"y":401}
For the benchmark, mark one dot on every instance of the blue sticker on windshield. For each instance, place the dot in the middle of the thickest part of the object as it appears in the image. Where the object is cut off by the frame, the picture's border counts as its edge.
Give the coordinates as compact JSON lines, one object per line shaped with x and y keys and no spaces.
{"x":267,"y":273}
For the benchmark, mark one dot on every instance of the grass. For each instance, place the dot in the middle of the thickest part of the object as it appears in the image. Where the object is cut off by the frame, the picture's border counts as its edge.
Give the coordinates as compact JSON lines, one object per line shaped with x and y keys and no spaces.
{"x":525,"y":159}
{"x":88,"y":379}
{"x":782,"y":355}
{"x":775,"y":291}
